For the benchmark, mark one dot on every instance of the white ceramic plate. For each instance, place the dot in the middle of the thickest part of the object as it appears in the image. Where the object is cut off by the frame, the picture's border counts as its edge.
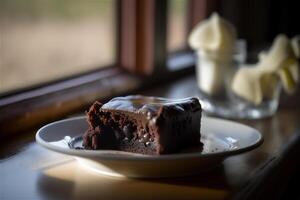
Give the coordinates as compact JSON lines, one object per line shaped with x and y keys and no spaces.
{"x":221,"y":139}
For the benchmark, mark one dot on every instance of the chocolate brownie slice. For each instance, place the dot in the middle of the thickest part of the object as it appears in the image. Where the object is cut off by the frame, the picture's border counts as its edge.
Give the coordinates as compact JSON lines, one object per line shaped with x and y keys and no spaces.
{"x":147,"y":125}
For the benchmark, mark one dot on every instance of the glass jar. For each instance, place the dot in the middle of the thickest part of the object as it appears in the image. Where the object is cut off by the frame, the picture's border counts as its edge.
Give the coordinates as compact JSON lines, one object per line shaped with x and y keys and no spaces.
{"x":214,"y":72}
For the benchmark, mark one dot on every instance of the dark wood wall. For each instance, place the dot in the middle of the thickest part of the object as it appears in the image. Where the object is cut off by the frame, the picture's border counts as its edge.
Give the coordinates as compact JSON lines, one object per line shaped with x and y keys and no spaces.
{"x":259,"y":21}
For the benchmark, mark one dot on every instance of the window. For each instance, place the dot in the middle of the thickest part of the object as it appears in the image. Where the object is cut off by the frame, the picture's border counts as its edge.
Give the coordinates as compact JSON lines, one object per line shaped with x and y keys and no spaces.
{"x":46,"y":40}
{"x":182,"y":17}
{"x":177,"y":25}
{"x":177,"y":33}
{"x":61,"y":48}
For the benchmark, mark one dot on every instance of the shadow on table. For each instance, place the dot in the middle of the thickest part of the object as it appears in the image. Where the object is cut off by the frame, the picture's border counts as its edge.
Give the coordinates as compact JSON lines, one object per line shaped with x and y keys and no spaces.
{"x":54,"y":188}
{"x":82,"y":184}
{"x":213,"y":178}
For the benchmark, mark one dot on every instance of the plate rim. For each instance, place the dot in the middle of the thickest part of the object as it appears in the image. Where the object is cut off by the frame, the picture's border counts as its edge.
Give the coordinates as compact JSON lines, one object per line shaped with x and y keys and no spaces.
{"x":118,"y":155}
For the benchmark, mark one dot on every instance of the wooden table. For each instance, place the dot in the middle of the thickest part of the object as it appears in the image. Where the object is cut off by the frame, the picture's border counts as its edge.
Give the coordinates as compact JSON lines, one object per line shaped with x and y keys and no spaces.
{"x":28,"y":171}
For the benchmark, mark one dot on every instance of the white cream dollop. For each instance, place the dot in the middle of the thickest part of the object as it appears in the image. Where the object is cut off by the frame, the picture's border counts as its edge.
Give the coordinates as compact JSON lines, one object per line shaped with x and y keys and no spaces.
{"x":214,"y":34}
{"x":256,"y":82}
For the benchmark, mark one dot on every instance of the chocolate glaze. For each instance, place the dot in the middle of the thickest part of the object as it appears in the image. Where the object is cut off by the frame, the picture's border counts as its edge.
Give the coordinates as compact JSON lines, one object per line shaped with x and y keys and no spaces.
{"x":149,"y":125}
{"x":144,"y":105}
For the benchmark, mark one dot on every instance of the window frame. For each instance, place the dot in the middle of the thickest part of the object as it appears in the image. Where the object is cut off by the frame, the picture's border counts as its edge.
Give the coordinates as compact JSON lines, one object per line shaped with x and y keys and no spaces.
{"x":141,"y":62}
{"x":197,"y":10}
{"x":143,"y":36}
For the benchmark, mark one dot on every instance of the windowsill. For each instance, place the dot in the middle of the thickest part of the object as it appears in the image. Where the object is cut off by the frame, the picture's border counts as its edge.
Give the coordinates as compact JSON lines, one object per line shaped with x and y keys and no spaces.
{"x":19,"y":95}
{"x":30,"y":108}
{"x":35,"y":107}
{"x":181,"y":60}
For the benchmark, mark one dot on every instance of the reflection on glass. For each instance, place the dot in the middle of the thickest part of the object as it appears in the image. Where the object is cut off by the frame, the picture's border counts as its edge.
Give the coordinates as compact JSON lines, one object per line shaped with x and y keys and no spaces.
{"x":43,"y":40}
{"x":177,"y":23}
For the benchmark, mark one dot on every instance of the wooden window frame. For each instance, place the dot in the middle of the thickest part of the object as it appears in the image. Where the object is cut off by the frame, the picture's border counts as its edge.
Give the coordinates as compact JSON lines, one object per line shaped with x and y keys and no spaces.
{"x":143,"y":36}
{"x":197,"y":11}
{"x":141,"y":62}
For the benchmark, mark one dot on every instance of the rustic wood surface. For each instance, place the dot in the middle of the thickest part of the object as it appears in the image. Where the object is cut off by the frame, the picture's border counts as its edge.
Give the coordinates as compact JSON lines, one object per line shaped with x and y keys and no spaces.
{"x":28,"y":171}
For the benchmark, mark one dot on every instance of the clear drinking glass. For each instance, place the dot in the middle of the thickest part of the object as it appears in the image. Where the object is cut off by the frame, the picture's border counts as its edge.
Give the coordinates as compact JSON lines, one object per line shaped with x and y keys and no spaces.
{"x":214,"y":77}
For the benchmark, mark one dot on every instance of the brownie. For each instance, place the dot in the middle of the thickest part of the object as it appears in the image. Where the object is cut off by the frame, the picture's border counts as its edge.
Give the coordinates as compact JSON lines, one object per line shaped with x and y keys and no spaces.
{"x":146,"y":125}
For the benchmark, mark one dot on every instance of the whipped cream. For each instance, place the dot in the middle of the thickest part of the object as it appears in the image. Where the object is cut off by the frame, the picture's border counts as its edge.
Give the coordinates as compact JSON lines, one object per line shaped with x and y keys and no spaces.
{"x":214,"y":40}
{"x":215,"y":35}
{"x":258,"y":81}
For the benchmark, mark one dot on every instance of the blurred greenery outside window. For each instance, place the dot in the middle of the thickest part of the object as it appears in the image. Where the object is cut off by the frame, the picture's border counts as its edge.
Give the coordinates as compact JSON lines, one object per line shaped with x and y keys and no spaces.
{"x":46,"y":40}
